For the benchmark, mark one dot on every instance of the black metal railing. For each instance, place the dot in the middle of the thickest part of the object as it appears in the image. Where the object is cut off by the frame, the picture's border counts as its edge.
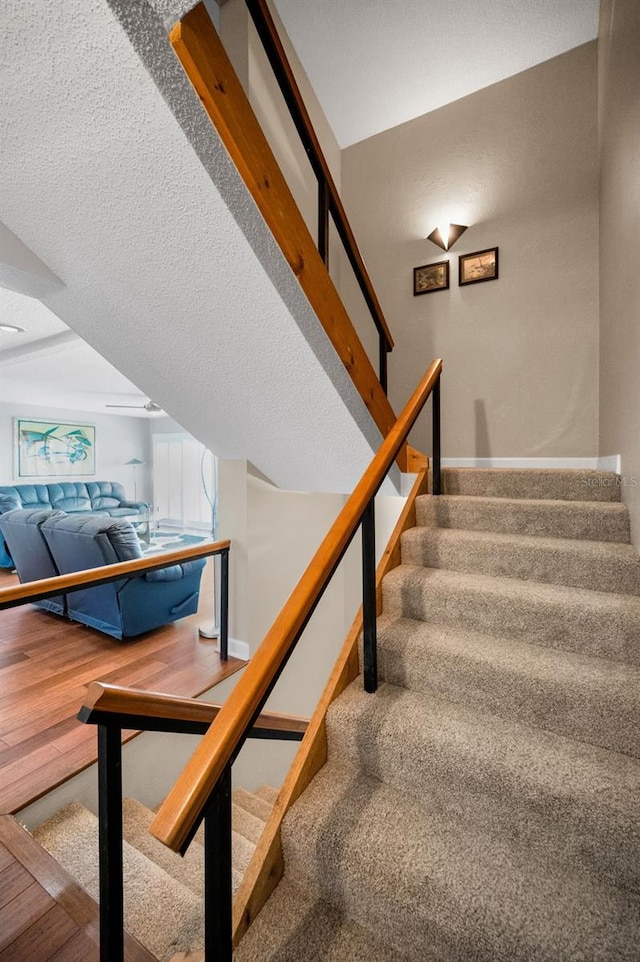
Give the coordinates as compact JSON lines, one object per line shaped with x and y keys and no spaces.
{"x":63,"y":584}
{"x":217,"y":817}
{"x":329,"y":202}
{"x":216,"y":807}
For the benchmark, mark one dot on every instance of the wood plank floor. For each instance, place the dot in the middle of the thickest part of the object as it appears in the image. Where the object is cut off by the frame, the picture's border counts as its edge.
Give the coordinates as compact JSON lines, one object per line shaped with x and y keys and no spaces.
{"x":45,"y":916}
{"x":46,"y":664}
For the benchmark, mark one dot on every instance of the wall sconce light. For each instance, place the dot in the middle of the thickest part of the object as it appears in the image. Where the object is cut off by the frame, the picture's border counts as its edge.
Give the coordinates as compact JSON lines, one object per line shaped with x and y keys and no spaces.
{"x":446,"y":236}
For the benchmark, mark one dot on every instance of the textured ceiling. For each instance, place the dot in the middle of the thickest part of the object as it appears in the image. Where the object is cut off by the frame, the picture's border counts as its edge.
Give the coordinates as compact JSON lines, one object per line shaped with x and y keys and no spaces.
{"x":377,"y":63}
{"x":113,"y":178}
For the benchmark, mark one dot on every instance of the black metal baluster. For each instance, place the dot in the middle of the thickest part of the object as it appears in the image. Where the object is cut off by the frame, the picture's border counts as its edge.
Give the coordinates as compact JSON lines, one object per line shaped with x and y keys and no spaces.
{"x":224,"y":605}
{"x":383,"y":360}
{"x":218,"y":898}
{"x":110,"y":844}
{"x":435,"y":413}
{"x":369,"y":608}
{"x":323,"y":220}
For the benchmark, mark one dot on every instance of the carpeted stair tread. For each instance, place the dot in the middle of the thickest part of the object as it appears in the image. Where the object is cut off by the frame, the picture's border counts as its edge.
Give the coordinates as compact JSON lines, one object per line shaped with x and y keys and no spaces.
{"x":160,"y":912}
{"x":598,"y":623}
{"x":252,"y":803}
{"x":268,"y":793}
{"x":421,"y":879}
{"x":596,"y":700}
{"x":188,"y":870}
{"x":247,"y":824}
{"x":293,"y":927}
{"x":591,"y":794}
{"x":596,"y":565}
{"x":587,"y":520}
{"x":532,"y":484}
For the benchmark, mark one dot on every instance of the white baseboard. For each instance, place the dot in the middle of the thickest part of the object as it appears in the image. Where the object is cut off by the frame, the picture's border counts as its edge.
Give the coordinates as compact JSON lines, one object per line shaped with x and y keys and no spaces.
{"x":611,"y":463}
{"x":239,"y":649}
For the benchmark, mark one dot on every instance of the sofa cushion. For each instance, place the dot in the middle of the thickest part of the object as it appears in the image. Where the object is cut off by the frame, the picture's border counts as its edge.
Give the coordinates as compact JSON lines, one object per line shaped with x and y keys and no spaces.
{"x":27,"y":496}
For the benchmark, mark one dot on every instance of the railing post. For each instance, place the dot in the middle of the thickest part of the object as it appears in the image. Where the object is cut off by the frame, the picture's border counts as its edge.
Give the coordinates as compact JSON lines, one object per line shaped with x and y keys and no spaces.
{"x":369,"y":607}
{"x":224,"y":606}
{"x":382,"y":343}
{"x":110,"y":844}
{"x":218,"y":895}
{"x":435,"y":413}
{"x":323,"y":220}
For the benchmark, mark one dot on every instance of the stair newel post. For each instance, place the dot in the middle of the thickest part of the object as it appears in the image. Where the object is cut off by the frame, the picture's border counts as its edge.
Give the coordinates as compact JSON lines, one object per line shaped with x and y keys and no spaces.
{"x":224,"y":605}
{"x":369,"y":607}
{"x":110,"y":844}
{"x":435,"y":413}
{"x":218,"y":887}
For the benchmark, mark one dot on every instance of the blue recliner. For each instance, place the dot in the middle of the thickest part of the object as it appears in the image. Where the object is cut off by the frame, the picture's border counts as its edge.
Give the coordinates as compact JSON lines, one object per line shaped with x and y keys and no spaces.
{"x":105,"y":499}
{"x":30,"y":552}
{"x":123,"y":608}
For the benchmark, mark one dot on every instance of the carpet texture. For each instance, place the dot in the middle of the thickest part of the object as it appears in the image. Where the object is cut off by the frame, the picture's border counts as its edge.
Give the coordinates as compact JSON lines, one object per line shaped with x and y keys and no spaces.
{"x":163,"y":891}
{"x":484,"y":804}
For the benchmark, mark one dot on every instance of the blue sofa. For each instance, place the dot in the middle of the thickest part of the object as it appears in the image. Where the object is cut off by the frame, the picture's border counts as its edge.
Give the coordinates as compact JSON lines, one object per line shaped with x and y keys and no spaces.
{"x":102,"y":498}
{"x":130,"y":606}
{"x":29,"y":551}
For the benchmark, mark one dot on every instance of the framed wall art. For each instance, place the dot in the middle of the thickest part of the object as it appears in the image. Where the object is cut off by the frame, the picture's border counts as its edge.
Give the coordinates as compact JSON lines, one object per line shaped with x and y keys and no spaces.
{"x":431,"y":277}
{"x":54,"y":449}
{"x":477,"y":267}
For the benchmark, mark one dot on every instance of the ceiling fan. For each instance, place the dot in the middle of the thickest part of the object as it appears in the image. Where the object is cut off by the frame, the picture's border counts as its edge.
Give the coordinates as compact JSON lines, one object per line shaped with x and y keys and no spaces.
{"x":150,"y":406}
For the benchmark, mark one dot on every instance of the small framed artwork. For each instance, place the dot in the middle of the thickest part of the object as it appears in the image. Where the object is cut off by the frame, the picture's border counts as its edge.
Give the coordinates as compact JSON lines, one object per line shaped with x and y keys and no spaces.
{"x":54,"y":449}
{"x":431,"y":277}
{"x":477,"y":267}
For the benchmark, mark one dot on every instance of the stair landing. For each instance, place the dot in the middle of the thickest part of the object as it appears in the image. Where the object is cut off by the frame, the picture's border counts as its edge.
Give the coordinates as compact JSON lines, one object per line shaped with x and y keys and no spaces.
{"x":45,"y":916}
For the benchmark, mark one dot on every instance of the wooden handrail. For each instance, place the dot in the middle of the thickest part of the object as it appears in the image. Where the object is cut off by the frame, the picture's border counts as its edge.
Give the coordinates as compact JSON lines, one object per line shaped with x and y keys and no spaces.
{"x":183,"y":806}
{"x":102,"y":698}
{"x":47,"y":587}
{"x":211,"y":73}
{"x":285,"y":76}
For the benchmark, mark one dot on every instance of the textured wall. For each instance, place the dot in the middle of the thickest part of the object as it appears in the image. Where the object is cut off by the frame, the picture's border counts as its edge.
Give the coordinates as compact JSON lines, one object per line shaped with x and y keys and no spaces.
{"x":518,"y":162}
{"x":619,"y":129}
{"x":115,"y":179}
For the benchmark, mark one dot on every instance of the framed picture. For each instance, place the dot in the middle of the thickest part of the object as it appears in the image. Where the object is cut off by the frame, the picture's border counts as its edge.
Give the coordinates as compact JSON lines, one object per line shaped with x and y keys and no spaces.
{"x":54,"y":449}
{"x":477,"y":267}
{"x":431,"y":277}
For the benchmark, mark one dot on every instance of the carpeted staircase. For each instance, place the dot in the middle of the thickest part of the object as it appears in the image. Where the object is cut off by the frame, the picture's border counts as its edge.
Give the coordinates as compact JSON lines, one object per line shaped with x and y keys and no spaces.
{"x":163,"y":891}
{"x":484,"y":804}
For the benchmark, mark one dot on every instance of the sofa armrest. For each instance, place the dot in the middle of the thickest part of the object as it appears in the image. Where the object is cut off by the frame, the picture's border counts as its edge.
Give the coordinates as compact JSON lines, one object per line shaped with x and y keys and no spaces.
{"x":176,"y":572}
{"x":9,"y":504}
{"x":134,"y":504}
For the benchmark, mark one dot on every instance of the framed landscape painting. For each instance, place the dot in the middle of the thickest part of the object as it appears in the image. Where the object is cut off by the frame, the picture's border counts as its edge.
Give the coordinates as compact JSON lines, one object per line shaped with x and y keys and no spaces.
{"x":477,"y":267}
{"x":431,"y":277}
{"x":54,"y":449}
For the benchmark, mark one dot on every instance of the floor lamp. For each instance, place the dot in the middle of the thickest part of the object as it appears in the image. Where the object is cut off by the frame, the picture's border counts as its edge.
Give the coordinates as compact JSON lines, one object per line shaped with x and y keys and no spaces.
{"x":211,"y":629}
{"x":134,"y":462}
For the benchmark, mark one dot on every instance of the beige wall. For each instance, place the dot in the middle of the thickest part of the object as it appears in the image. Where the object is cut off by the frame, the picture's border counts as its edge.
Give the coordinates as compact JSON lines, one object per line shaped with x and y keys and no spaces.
{"x":619,"y":130}
{"x":518,"y":162}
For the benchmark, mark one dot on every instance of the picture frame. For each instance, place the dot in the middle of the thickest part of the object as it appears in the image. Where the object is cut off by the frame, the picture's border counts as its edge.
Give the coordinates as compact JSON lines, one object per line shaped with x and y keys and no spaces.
{"x":478,"y":266}
{"x":54,"y":449}
{"x":431,"y":277}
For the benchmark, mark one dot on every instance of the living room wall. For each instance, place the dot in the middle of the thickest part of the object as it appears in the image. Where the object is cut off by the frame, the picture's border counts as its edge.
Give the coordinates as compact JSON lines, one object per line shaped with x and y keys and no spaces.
{"x":517,"y":162}
{"x":117,"y":440}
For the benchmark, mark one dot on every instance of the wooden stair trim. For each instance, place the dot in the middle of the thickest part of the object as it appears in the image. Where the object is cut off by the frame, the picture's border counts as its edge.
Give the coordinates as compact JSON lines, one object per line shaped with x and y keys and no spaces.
{"x":214,"y":79}
{"x":267,"y":864}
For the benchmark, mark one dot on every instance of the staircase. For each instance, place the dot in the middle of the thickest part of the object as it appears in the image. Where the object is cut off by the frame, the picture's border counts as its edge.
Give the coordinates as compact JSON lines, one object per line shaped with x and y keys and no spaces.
{"x":484,"y":804}
{"x":163,"y":891}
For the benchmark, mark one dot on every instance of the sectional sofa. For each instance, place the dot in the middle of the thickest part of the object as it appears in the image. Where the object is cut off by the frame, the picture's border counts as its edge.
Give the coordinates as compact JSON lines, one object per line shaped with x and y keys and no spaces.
{"x":104,"y":499}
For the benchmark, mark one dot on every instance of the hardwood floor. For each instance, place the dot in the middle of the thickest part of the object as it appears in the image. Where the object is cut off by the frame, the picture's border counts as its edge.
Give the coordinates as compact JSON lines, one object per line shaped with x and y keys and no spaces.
{"x":45,"y":666}
{"x":45,"y":916}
